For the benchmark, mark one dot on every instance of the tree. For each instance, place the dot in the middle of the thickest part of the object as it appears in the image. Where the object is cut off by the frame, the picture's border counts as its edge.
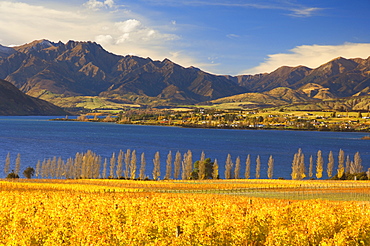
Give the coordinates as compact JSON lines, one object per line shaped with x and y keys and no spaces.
{"x":104,"y":174}
{"x":258,"y":167}
{"x":298,"y":166}
{"x":202,"y":166}
{"x":310,"y":168}
{"x":119,"y":169}
{"x":247,"y":173}
{"x":228,"y":167}
{"x":112,"y":164}
{"x":168,"y":166}
{"x":133,"y":165}
{"x":127,"y":163}
{"x":38,"y":169}
{"x":142,"y":166}
{"x":12,"y":175}
{"x":319,"y":165}
{"x":208,"y":169}
{"x":7,"y":164}
{"x":29,"y":172}
{"x":215,"y":170}
{"x":157,"y":166}
{"x":177,"y":165}
{"x":356,"y":165}
{"x":330,"y":166}
{"x":340,"y":170}
{"x":237,"y":168}
{"x":18,"y":164}
{"x":270,"y":170}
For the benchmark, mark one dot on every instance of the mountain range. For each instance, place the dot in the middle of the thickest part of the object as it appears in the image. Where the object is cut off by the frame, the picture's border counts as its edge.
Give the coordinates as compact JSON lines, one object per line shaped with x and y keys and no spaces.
{"x":68,"y":72}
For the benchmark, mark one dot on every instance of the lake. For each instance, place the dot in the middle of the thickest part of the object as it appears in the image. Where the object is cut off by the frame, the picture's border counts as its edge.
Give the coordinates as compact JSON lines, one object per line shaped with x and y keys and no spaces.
{"x":37,"y":138}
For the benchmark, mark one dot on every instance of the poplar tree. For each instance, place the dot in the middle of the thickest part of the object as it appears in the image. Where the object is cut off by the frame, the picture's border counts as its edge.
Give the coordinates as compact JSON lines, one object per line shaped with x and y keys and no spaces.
{"x":119,"y":169}
{"x":270,"y":170}
{"x":340,"y":170}
{"x":247,"y":173}
{"x":298,"y":166}
{"x":237,"y":168}
{"x":302,"y":167}
{"x":104,"y":173}
{"x":7,"y":164}
{"x":168,"y":166}
{"x":127,"y":163}
{"x":319,"y":165}
{"x":310,"y":169}
{"x":157,"y":166}
{"x":228,"y":167}
{"x":142,"y":166}
{"x":38,"y":169}
{"x":215,"y":174}
{"x":177,"y":165}
{"x":258,"y":167}
{"x":202,"y":166}
{"x":356,"y":165}
{"x":348,"y":164}
{"x":330,"y":167}
{"x":112,"y":164}
{"x":18,"y":164}
{"x":69,"y":168}
{"x":189,"y":164}
{"x":133,"y":165}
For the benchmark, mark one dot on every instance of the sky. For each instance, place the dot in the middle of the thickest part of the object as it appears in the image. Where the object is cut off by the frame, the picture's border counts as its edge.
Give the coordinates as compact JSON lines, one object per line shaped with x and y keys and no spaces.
{"x":229,"y":37}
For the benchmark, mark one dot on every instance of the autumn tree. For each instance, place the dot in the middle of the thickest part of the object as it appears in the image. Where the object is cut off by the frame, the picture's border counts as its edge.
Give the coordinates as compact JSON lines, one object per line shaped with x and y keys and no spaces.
{"x":133,"y":165}
{"x":177,"y":165}
{"x":156,"y":166}
{"x":310,"y":168}
{"x":319,"y":165}
{"x":7,"y":164}
{"x":270,"y":170}
{"x":119,"y":168}
{"x":168,"y":166}
{"x":127,"y":163}
{"x":237,"y":168}
{"x":258,"y":167}
{"x":112,"y":165}
{"x":142,"y":166}
{"x":247,"y":173}
{"x":215,"y":174}
{"x":340,"y":170}
{"x":202,"y":167}
{"x":330,"y":166}
{"x":228,"y":167}
{"x":104,"y":173}
{"x":356,"y":165}
{"x":18,"y":164}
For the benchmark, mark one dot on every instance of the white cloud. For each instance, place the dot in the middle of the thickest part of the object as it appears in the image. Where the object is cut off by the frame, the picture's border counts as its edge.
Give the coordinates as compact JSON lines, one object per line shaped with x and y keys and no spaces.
{"x":96,"y":5}
{"x":121,"y":32}
{"x":311,"y":56}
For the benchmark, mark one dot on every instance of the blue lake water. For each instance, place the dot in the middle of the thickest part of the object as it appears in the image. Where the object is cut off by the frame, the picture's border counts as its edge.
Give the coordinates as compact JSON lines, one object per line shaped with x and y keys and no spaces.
{"x":37,"y":138}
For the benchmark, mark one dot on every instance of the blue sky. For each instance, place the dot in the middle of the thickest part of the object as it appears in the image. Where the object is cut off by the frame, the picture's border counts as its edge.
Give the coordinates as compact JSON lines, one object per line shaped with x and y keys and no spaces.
{"x":220,"y":37}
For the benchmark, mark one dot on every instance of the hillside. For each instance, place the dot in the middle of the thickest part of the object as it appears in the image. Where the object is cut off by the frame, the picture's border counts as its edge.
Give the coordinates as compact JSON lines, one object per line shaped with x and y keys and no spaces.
{"x":70,"y":74}
{"x":14,"y":102}
{"x":86,"y":69}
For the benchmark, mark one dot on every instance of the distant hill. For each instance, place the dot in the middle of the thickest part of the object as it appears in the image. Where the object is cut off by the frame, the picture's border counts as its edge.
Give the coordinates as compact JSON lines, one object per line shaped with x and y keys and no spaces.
{"x":15,"y":102}
{"x":72,"y":73}
{"x":86,"y":69}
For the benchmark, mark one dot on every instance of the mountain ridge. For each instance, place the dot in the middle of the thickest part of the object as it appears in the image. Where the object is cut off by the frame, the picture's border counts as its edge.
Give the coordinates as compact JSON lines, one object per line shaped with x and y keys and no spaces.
{"x":52,"y":70}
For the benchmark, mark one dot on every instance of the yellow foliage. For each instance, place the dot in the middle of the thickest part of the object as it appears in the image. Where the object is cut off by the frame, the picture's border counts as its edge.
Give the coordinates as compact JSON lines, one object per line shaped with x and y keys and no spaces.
{"x":87,"y":212}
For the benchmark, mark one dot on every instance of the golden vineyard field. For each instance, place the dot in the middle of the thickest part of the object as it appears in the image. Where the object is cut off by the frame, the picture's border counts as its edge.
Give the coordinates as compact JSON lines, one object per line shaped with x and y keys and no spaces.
{"x":220,"y":212}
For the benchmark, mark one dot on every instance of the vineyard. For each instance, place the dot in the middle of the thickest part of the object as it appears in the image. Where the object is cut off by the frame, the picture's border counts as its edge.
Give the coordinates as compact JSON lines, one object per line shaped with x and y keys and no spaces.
{"x":184,"y":212}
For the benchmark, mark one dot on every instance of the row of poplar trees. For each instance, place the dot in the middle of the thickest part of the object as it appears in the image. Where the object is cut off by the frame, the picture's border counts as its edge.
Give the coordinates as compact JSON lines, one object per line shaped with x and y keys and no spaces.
{"x":129,"y":165}
{"x":345,"y":165}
